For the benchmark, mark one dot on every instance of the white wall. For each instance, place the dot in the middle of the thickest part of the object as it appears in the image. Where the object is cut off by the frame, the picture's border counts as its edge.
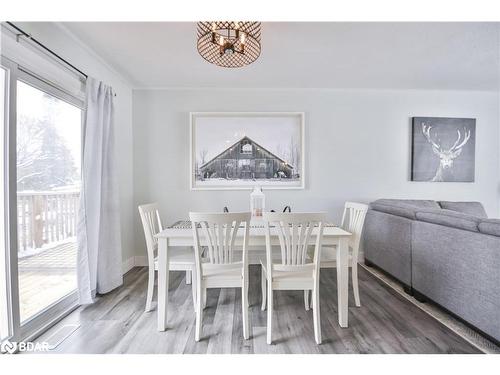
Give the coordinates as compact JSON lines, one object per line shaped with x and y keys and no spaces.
{"x":357,"y":147}
{"x":357,"y":142}
{"x":62,"y":42}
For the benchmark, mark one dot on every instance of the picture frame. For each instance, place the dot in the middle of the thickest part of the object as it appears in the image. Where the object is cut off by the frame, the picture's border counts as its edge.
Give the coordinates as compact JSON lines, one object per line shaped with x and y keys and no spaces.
{"x":443,"y":149}
{"x":241,"y":150}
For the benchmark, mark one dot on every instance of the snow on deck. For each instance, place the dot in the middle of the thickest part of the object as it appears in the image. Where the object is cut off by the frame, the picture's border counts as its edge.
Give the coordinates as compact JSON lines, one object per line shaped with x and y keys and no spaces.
{"x":46,"y":277}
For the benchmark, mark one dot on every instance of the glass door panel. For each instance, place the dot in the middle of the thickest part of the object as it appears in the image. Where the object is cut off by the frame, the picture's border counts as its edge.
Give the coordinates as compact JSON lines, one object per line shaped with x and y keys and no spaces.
{"x":48,"y":189}
{"x":4,"y":274}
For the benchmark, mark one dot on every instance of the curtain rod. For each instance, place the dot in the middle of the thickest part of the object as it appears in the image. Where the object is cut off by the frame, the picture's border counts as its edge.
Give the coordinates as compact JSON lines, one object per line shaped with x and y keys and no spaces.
{"x":41,"y":45}
{"x":23,"y":33}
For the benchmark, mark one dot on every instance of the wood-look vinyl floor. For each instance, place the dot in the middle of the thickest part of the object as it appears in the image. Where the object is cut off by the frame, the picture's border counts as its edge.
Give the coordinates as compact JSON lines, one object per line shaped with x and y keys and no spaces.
{"x":385,"y":323}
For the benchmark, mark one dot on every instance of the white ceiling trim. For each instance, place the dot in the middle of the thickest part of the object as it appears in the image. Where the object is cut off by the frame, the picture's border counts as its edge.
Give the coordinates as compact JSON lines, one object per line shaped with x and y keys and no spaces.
{"x":368,"y":89}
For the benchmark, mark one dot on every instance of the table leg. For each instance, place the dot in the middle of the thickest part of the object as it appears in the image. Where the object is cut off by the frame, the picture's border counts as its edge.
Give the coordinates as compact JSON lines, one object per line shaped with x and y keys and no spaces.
{"x":163,"y":273}
{"x":343,"y":281}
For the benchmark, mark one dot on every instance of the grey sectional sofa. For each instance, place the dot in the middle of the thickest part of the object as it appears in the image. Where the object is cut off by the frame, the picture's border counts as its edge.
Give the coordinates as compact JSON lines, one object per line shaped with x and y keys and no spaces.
{"x":446,"y":252}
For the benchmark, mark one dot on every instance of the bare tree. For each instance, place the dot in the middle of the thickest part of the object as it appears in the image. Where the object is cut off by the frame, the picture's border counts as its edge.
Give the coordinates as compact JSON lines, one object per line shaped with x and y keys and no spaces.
{"x":294,"y":154}
{"x":203,"y":155}
{"x":43,"y":159}
{"x":296,"y":151}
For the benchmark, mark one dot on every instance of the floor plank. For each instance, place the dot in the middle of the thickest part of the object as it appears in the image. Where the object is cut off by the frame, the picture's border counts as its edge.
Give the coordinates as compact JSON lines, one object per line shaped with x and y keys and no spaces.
{"x":385,"y":323}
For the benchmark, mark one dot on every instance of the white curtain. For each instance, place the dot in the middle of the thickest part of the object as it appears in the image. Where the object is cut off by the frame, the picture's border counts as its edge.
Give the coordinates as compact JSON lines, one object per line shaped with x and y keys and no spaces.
{"x":99,"y":266}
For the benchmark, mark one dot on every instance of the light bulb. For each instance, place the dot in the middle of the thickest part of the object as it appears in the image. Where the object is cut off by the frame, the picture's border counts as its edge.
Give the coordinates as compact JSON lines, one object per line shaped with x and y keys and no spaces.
{"x":221,"y":40}
{"x":242,"y":38}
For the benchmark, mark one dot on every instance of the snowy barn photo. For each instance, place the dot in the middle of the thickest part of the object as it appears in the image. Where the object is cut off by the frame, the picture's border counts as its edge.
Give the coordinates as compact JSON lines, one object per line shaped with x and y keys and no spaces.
{"x":246,"y":160}
{"x":242,"y":150}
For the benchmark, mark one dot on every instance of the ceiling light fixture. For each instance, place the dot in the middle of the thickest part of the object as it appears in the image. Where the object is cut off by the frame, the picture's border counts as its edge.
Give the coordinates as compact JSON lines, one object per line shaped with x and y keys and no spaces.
{"x":228,"y":43}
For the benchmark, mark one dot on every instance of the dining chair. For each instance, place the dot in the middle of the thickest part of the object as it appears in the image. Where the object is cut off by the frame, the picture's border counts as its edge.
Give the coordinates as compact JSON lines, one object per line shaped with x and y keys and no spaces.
{"x":353,"y":220}
{"x":214,"y":236}
{"x":180,"y":259}
{"x":295,"y":271}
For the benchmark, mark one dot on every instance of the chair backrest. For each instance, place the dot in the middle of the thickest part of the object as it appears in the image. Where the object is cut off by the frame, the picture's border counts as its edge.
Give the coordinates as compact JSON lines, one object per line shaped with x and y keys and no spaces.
{"x":219,"y":231}
{"x":353,"y":220}
{"x":294,"y":232}
{"x":151,"y":223}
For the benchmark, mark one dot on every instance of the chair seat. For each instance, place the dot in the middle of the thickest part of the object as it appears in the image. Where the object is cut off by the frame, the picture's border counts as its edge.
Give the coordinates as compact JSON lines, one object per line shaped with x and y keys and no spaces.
{"x":180,"y":259}
{"x":222,"y":275}
{"x":290,"y":280}
{"x":329,"y":255}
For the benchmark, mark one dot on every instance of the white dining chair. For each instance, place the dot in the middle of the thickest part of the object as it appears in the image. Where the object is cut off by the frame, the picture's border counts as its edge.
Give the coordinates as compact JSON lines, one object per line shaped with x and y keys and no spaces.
{"x":353,"y":220}
{"x":294,"y":271}
{"x":180,"y":259}
{"x":214,"y":235}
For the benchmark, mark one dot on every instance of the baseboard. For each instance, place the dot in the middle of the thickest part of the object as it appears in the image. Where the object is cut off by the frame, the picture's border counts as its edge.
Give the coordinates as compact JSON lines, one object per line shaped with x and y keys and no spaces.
{"x":141,"y":261}
{"x":137,"y":261}
{"x":128,"y":264}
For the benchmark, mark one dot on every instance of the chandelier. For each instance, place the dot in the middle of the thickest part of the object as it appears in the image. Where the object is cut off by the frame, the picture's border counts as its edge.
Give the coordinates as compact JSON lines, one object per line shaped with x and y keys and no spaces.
{"x":229,"y":44}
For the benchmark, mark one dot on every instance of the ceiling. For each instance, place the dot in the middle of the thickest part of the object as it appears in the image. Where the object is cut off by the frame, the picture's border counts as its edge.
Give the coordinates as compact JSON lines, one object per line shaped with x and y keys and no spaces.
{"x":462,"y":56}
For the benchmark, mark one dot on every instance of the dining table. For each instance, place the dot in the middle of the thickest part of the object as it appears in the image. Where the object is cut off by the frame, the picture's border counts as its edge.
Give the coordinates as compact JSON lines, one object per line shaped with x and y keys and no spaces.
{"x":180,"y":234}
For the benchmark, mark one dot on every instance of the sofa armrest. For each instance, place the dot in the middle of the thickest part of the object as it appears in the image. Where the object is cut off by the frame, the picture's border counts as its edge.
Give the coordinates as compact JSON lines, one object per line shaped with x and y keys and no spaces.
{"x":401,"y":210}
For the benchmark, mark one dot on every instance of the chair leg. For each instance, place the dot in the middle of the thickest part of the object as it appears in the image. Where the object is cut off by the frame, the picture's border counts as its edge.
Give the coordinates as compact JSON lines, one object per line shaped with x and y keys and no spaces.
{"x":316,"y":316}
{"x":188,"y":277}
{"x":269,"y":313}
{"x":193,"y":288}
{"x":199,"y":311}
{"x":151,"y":288}
{"x":306,"y":299}
{"x":204,"y":297}
{"x":263,"y":288}
{"x":244,"y":301}
{"x":355,"y":285}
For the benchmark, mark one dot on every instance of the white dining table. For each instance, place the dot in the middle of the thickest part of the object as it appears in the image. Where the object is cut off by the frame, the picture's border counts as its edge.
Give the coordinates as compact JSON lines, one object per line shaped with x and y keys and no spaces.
{"x":183,"y":237}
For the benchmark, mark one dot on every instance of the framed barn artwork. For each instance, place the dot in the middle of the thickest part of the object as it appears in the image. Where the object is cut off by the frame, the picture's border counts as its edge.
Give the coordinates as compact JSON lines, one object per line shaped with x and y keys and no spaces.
{"x":240,"y":150}
{"x":443,"y":149}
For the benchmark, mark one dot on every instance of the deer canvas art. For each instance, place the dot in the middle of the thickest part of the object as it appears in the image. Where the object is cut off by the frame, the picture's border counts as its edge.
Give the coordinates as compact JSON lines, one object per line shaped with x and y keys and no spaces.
{"x":443,"y":149}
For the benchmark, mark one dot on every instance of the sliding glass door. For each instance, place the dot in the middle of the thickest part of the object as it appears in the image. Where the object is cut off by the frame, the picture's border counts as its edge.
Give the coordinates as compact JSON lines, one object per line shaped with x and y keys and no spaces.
{"x":38,"y":263}
{"x":48,"y":190}
{"x":5,"y":324}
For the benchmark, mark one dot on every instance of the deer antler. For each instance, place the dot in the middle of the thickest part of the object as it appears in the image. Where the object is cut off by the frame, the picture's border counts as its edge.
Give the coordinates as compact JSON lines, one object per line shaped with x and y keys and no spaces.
{"x":457,"y":145}
{"x":426,"y":130}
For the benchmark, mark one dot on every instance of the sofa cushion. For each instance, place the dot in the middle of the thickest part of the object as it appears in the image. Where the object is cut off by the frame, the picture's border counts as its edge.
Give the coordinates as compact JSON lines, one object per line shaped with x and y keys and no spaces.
{"x":490,"y":226}
{"x":420,"y":203}
{"x":402,"y":210}
{"x":449,"y":218}
{"x":470,"y":208}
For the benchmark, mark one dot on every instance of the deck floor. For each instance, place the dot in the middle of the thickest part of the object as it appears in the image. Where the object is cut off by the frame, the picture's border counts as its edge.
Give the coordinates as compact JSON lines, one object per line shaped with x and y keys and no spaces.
{"x":46,"y":277}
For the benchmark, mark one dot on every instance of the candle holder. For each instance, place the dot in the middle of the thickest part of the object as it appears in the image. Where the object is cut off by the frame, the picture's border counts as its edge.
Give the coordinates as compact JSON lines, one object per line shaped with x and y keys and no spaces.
{"x":257,"y":202}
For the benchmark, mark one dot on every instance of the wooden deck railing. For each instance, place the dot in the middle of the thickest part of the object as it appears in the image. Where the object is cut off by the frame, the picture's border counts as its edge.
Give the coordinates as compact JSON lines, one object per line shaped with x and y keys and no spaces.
{"x":45,"y":217}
